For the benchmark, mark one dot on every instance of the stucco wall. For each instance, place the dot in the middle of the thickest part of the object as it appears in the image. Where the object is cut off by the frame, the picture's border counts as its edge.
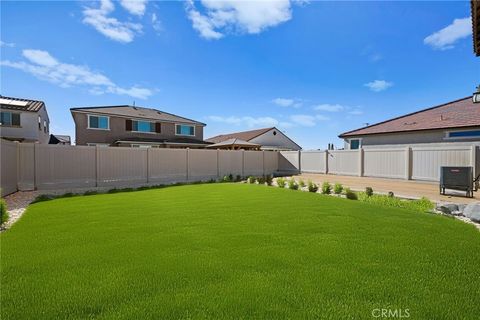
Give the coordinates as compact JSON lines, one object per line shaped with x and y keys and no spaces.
{"x":117,"y":131}
{"x":433,"y":136}
{"x":28,"y":129}
{"x":280,"y":140}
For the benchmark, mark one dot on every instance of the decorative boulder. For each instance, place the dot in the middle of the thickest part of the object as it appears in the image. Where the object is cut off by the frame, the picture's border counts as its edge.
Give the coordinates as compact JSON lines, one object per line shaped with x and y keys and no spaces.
{"x":472,"y":211}
{"x":448,"y":208}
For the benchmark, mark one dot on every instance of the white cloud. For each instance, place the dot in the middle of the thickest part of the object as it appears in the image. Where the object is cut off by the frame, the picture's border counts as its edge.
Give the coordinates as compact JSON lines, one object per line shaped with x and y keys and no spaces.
{"x":156,"y":23}
{"x":307,"y":120}
{"x":110,"y":27}
{"x":355,"y":112}
{"x":329,"y":107}
{"x":226,"y":16}
{"x":135,"y":7}
{"x":378,"y":85}
{"x":283,"y":102}
{"x":445,"y":38}
{"x":247,"y":121}
{"x":45,"y":67}
{"x":7,"y":44}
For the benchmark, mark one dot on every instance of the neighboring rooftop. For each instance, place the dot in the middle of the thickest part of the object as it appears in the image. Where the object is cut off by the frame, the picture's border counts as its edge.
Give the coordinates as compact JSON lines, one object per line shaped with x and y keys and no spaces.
{"x":234,"y":142}
{"x":58,"y":138}
{"x":20,"y":104}
{"x":460,"y":113}
{"x":137,"y":112}
{"x":475,"y":6}
{"x":242,"y":135}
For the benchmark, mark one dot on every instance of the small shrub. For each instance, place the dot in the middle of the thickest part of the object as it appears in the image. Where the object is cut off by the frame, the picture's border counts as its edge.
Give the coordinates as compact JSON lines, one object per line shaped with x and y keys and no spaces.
{"x":3,"y":211}
{"x":292,"y":184}
{"x":350,"y":194}
{"x":238,"y":178}
{"x":66,"y":195}
{"x":261,"y":180}
{"x":251,"y":179}
{"x":301,"y":183}
{"x":312,"y":187}
{"x":269,"y":180}
{"x":369,"y":191}
{"x":281,"y":182}
{"x":326,"y":188}
{"x":43,"y":197}
{"x":227,"y":179}
{"x":391,"y":194}
{"x":230,"y":177}
{"x":421,"y":205}
{"x":338,"y":188}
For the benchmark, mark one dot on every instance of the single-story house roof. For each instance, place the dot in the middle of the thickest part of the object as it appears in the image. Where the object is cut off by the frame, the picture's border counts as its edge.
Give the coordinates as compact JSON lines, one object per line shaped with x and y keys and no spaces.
{"x":242,"y":135}
{"x":475,"y":6}
{"x":460,"y":113}
{"x":58,"y":138}
{"x":20,"y":104}
{"x":136,"y":112}
{"x":163,"y":141}
{"x":234,"y":142}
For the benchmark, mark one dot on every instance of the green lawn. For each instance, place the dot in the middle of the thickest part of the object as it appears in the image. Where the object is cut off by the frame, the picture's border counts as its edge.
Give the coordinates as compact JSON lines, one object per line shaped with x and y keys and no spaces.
{"x":235,"y":251}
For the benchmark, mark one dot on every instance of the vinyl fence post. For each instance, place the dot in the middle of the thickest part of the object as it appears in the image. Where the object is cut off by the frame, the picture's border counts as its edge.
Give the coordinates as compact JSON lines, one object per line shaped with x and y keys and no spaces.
{"x":218,"y":163}
{"x":97,"y":161}
{"x":299,"y":161}
{"x":34,"y":166}
{"x":360,"y":162}
{"x":408,"y":163}
{"x":473,"y":159}
{"x":17,"y":149}
{"x":263,"y":162}
{"x":243,"y":163}
{"x":148,"y":165}
{"x":188,"y":159}
{"x":326,"y":161}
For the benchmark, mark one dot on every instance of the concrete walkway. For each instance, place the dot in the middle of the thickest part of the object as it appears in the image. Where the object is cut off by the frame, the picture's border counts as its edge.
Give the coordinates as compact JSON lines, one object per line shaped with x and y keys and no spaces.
{"x":401,"y":188}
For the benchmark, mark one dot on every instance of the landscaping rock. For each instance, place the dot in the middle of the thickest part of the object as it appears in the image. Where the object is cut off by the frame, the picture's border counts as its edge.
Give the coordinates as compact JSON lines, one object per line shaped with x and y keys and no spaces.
{"x":472,"y":211}
{"x":448,"y":208}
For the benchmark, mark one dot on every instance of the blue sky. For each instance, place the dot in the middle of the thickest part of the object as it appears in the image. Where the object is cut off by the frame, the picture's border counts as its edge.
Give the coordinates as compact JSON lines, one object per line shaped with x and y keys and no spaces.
{"x":313,"y":69}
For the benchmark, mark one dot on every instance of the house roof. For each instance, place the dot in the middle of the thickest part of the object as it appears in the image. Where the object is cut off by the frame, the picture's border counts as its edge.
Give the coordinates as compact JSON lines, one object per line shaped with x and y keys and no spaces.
{"x":234,"y":142}
{"x":242,"y":135}
{"x":20,"y":104}
{"x":456,"y":114}
{"x":475,"y":6}
{"x":60,"y":138}
{"x":137,"y":112}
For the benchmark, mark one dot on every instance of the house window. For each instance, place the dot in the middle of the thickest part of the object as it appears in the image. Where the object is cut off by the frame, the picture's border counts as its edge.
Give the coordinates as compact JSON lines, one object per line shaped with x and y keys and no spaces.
{"x":354,"y":144}
{"x":98,"y":122}
{"x":464,"y":134}
{"x":143,"y":126}
{"x":184,"y":130}
{"x":9,"y":119}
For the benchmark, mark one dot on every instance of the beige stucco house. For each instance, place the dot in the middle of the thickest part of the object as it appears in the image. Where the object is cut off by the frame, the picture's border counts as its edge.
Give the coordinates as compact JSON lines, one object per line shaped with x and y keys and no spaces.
{"x":455,"y":121}
{"x":132,"y":126}
{"x":24,"y":120}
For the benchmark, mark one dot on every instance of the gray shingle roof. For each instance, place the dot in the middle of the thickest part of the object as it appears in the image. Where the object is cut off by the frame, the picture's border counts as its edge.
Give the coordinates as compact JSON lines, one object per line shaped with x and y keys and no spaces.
{"x":137,"y":112}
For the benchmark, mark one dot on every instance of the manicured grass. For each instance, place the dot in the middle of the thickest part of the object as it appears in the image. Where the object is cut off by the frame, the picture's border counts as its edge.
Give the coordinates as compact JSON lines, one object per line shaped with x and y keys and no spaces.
{"x":235,"y":251}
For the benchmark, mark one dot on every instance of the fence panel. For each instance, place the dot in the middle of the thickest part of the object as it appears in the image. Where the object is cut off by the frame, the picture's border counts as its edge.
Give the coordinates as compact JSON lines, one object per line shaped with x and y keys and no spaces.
{"x":118,"y":166}
{"x":202,"y":165}
{"x":270,"y":162}
{"x":426,"y":161}
{"x":313,"y":161}
{"x":167,"y":165}
{"x":253,"y":163}
{"x":8,"y":159}
{"x":26,"y":165}
{"x":344,"y":162}
{"x":64,"y":166}
{"x":385,"y":163}
{"x":230,"y":162}
{"x":288,"y":161}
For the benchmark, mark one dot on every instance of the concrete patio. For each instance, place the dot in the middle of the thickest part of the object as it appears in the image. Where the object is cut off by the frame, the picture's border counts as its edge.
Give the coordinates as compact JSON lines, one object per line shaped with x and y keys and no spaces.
{"x":401,"y":188}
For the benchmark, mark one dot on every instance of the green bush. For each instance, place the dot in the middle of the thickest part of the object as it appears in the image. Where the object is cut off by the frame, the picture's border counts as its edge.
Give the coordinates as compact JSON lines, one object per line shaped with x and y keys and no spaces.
{"x":301,"y":183}
{"x":421,"y":205}
{"x":281,"y":182}
{"x":338,"y":188}
{"x":43,"y":197}
{"x":269,"y":179}
{"x":326,"y":188}
{"x":350,"y":194}
{"x":369,"y":191}
{"x":3,"y":211}
{"x":93,"y":192}
{"x":261,"y":180}
{"x":391,"y":194}
{"x":238,"y":178}
{"x":292,"y":184}
{"x":312,"y":187}
{"x":227,"y":178}
{"x":251,"y":179}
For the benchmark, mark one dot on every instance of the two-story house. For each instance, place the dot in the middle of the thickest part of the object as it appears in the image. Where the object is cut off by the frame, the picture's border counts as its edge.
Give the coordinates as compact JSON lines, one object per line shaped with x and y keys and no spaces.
{"x":24,"y":120}
{"x":132,"y":126}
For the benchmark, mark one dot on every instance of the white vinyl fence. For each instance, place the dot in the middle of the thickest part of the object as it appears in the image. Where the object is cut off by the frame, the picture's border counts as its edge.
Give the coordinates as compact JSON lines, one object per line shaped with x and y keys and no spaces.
{"x":414,"y":162}
{"x":28,"y":166}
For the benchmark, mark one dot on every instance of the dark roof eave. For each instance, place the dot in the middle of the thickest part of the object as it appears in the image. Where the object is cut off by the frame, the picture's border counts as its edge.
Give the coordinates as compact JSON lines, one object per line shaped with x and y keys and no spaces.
{"x":349,"y":135}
